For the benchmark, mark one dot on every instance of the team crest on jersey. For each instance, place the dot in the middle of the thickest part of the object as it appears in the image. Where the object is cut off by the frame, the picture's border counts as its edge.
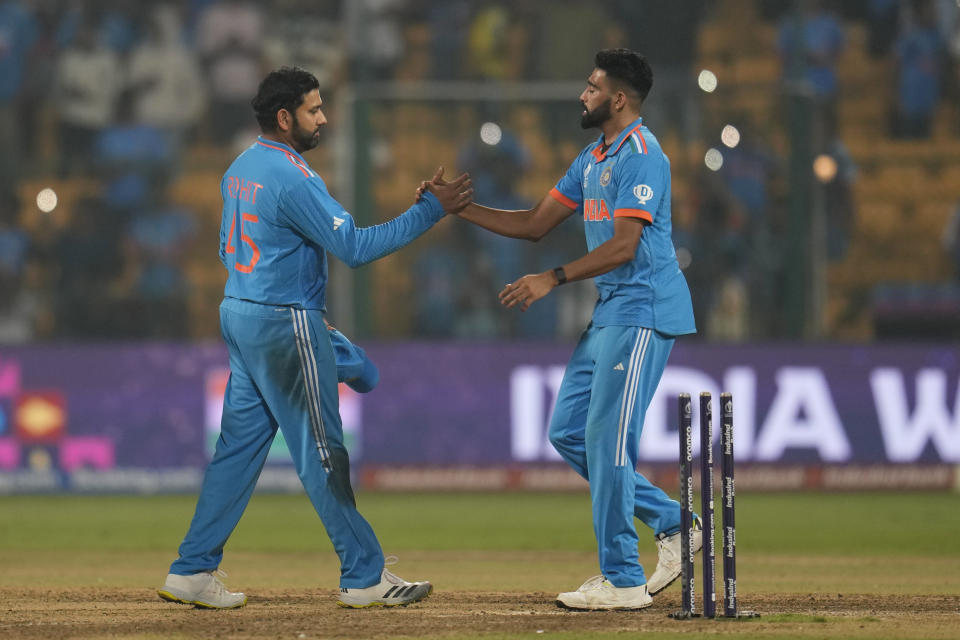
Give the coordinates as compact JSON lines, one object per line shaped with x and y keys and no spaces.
{"x":643,"y":193}
{"x":605,"y":176}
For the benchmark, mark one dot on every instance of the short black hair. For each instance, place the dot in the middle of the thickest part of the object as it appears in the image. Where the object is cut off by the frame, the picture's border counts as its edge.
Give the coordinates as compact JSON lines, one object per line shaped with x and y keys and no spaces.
{"x":283,"y":88}
{"x":627,"y":66}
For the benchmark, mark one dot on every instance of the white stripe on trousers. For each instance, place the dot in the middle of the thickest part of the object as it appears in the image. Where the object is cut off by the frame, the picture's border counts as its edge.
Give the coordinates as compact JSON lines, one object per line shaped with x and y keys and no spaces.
{"x":630,"y":393}
{"x":311,"y":381}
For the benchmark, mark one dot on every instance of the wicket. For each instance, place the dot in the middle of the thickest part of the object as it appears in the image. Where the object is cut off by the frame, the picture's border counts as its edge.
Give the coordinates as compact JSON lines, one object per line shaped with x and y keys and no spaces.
{"x":729,"y":539}
{"x":706,"y":505}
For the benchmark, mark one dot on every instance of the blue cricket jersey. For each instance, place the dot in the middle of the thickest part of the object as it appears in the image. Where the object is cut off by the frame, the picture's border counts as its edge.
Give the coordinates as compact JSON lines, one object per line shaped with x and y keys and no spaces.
{"x":279,"y":221}
{"x":632,"y":178}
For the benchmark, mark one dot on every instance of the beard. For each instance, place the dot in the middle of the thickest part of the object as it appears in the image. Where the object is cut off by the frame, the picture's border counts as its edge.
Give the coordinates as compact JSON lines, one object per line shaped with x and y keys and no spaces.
{"x":304,"y":139}
{"x":596,"y":117}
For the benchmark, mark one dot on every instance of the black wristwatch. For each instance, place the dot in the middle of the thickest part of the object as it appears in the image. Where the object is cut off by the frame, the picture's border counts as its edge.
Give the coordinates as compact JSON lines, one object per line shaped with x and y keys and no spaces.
{"x":560,"y":275}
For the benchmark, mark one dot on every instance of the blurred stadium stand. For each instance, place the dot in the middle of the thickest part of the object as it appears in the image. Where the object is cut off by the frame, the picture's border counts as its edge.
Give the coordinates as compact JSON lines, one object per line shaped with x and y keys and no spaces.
{"x":890,"y":271}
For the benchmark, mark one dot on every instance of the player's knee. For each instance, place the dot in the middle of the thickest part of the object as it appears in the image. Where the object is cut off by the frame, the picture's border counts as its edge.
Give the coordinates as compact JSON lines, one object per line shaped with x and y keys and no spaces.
{"x":560,"y":435}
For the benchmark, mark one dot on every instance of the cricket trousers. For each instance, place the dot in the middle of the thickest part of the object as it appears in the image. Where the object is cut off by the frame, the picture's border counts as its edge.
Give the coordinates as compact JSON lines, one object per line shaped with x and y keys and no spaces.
{"x":596,"y":425}
{"x":282,"y":375}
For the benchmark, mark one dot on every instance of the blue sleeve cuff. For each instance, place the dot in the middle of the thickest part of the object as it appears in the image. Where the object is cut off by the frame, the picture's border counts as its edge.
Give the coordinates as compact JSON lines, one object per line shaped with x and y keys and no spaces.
{"x":432,"y":204}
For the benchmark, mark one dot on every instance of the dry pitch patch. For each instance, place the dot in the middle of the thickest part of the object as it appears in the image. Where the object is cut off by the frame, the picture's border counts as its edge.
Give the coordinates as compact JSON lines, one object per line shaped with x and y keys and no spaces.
{"x":128,"y":613}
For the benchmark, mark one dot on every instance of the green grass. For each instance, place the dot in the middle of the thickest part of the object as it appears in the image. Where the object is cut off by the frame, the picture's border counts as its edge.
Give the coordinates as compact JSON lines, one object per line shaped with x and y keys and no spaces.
{"x":807,"y":546}
{"x":788,"y":617}
{"x":848,"y":525}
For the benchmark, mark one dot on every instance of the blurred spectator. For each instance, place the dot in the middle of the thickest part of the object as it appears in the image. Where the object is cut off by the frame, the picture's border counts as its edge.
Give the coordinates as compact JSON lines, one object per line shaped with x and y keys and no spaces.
{"x":86,"y":86}
{"x":920,"y":54}
{"x":497,"y":43}
{"x":729,"y":318}
{"x":883,"y":20}
{"x":839,"y":205}
{"x":17,"y":304}
{"x":479,"y":316}
{"x":773,"y":10}
{"x":715,"y":238}
{"x":128,"y":146}
{"x":496,"y":161}
{"x":35,"y":90}
{"x":950,"y":240}
{"x":810,"y":44}
{"x":18,"y":30}
{"x":165,"y":78}
{"x":439,"y":276}
{"x":157,"y":242}
{"x":118,"y":25}
{"x":448,"y":27}
{"x":87,"y":254}
{"x":114,"y":22}
{"x":379,"y":44}
{"x":569,"y":35}
{"x":229,"y":39}
{"x":311,"y":37}
{"x":947,"y":13}
{"x":665,"y":32}
{"x":748,"y":169}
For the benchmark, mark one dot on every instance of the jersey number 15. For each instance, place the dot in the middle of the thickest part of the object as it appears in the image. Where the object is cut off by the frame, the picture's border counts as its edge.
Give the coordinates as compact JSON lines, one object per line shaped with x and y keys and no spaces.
{"x":244,"y":217}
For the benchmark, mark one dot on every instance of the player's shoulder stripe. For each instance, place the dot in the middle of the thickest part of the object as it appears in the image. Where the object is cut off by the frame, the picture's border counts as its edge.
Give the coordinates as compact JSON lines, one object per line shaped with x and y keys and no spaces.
{"x":631,"y":136}
{"x":640,"y":143}
{"x":293,"y":158}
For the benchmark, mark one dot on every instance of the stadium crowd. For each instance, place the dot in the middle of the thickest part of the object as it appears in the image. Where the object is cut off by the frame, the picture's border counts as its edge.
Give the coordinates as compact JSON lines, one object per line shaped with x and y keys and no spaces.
{"x":118,"y":104}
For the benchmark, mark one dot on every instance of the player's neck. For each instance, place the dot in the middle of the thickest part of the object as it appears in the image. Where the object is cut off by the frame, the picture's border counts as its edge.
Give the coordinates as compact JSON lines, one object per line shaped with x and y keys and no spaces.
{"x":277,"y":136}
{"x":613,"y":127}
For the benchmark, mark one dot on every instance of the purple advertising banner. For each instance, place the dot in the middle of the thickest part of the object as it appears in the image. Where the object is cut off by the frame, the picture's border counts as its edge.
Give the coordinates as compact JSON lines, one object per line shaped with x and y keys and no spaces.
{"x":485,"y":404}
{"x":82,"y":409}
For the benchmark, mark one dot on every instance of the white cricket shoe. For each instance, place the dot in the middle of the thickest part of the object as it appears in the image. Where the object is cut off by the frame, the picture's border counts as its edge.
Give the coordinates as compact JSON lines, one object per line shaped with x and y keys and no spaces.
{"x":203,"y":590}
{"x":598,"y":593}
{"x":392,"y":591}
{"x":669,"y":556}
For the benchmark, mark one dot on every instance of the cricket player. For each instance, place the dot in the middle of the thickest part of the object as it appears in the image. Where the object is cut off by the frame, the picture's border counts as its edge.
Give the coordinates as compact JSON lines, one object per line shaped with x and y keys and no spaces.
{"x":621,"y":185}
{"x":278,"y":224}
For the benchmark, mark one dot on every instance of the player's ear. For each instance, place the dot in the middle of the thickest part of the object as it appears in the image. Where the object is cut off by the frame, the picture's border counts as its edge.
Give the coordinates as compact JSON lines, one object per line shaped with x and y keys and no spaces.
{"x":284,"y":119}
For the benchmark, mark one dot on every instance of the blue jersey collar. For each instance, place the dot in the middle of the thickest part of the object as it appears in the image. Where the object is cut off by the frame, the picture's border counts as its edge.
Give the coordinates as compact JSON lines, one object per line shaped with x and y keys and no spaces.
{"x":279,"y":146}
{"x":615,"y":147}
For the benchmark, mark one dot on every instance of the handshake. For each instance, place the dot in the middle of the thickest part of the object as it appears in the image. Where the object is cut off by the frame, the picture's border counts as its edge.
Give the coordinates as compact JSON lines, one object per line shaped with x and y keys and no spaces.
{"x":453,"y":196}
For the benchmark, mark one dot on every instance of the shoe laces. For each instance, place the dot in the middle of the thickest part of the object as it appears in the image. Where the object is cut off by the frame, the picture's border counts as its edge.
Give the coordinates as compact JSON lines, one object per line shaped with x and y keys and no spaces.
{"x":389,"y":561}
{"x":667,"y":548}
{"x":671,"y":551}
{"x":217,"y":585}
{"x":592,"y":583}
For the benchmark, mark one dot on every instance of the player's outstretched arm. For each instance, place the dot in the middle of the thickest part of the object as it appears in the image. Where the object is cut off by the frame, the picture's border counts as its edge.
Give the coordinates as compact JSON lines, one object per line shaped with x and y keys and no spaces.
{"x":309,"y":209}
{"x":618,"y":250}
{"x":529,"y":224}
